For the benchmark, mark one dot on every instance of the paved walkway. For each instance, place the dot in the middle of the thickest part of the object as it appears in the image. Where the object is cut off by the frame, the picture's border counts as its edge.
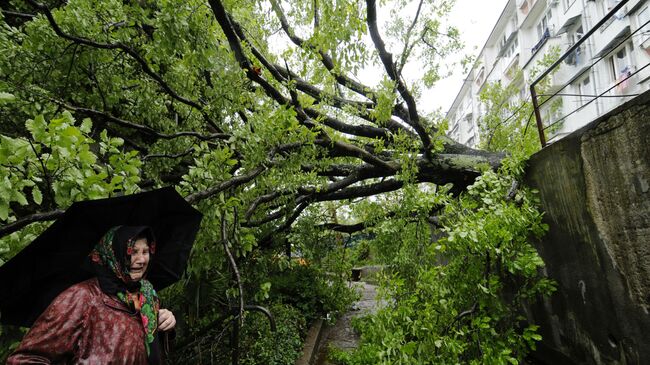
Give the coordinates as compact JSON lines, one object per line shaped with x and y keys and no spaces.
{"x":341,"y":335}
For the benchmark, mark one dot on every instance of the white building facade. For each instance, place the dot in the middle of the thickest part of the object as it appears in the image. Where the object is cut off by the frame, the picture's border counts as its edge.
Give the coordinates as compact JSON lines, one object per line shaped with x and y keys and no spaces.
{"x":527,"y":29}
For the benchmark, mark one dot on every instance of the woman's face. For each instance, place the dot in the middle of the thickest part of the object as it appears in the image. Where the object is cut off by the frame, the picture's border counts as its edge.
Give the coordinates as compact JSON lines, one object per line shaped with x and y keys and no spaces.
{"x":139,"y":259}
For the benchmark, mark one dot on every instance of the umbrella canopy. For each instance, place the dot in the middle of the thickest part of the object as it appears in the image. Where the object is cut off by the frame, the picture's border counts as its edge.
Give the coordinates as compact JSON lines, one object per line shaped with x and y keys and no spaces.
{"x":53,"y":261}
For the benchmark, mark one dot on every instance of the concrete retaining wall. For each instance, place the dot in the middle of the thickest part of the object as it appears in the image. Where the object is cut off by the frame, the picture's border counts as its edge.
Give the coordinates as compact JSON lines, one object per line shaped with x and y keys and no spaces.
{"x":595,"y":191}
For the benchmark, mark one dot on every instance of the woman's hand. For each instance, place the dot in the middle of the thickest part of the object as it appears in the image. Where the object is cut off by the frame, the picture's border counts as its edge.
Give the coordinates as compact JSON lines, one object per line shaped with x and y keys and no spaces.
{"x":166,"y":320}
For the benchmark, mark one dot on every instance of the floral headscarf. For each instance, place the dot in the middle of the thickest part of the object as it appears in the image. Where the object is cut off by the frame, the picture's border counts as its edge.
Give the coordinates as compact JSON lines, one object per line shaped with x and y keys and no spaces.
{"x":111,"y":258}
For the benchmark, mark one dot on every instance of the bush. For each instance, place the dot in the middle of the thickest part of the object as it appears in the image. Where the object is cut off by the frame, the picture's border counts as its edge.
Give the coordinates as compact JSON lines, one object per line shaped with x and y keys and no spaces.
{"x":309,"y":290}
{"x":261,"y":346}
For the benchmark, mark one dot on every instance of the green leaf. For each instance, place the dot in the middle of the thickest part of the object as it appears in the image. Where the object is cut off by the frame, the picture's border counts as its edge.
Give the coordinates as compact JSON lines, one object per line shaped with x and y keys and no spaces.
{"x":4,"y":210}
{"x":6,"y":97}
{"x":36,"y":195}
{"x":86,"y":125}
{"x":20,"y":198}
{"x":409,"y":348}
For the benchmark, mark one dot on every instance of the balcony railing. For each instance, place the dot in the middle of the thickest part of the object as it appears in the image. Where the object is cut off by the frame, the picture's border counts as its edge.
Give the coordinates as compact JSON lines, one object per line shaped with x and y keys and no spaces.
{"x":577,"y":57}
{"x":545,"y":36}
{"x":536,"y":105}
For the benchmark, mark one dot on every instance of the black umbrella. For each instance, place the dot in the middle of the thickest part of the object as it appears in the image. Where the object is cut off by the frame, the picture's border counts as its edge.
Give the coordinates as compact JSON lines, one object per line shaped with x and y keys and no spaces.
{"x":53,"y":261}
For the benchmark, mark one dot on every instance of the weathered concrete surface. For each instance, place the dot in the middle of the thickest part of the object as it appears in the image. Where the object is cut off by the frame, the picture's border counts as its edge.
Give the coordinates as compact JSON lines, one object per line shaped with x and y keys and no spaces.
{"x":312,"y":341}
{"x":595,"y":191}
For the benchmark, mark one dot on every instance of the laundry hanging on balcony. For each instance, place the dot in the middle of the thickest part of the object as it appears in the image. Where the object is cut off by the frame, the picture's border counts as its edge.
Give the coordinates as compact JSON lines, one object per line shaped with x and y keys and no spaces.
{"x":623,"y":80}
{"x":546,"y":35}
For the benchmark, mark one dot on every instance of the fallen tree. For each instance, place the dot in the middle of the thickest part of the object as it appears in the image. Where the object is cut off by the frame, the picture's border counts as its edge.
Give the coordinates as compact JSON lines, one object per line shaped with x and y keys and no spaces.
{"x":255,"y":112}
{"x":209,"y":76}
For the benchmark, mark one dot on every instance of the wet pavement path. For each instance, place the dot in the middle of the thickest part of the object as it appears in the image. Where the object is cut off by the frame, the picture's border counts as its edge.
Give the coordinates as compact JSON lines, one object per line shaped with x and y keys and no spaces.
{"x":342,"y":335}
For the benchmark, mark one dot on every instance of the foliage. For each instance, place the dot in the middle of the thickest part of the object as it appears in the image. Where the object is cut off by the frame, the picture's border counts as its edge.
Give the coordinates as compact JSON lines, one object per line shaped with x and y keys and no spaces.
{"x":507,"y":120}
{"x":266,"y":136}
{"x":59,"y":163}
{"x":311,"y":291}
{"x":456,"y":299}
{"x":258,"y":344}
{"x":282,"y":347}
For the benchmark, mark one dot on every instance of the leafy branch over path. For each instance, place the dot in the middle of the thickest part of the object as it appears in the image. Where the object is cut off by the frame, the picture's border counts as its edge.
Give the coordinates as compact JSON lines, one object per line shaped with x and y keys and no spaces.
{"x":346,"y":126}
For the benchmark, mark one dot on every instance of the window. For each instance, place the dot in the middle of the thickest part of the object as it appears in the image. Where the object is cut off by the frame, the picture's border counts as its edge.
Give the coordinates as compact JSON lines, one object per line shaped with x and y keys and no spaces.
{"x":514,"y":46}
{"x":616,"y":63}
{"x":470,"y":124}
{"x":584,"y":89}
{"x":577,"y":56}
{"x":480,"y":77}
{"x":567,"y":4}
{"x":576,"y":35}
{"x":644,"y":18}
{"x":502,"y":42}
{"x":620,"y":67}
{"x":454,"y":129}
{"x":511,"y":48}
{"x":543,"y":32}
{"x":608,"y":5}
{"x":542,"y":26}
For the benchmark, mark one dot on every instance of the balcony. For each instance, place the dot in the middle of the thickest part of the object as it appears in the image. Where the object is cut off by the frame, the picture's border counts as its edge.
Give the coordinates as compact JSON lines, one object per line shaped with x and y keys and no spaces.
{"x":541,"y":41}
{"x":618,"y":32}
{"x":576,"y":63}
{"x":529,"y":11}
{"x":569,"y":18}
{"x":543,"y":47}
{"x":616,"y":28}
{"x":511,"y":71}
{"x":524,"y":6}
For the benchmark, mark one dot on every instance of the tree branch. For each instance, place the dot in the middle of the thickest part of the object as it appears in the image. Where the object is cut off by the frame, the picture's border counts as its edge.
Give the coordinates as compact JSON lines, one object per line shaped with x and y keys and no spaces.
{"x":235,"y":181}
{"x":325,"y":58}
{"x":460,"y":316}
{"x":25,"y":221}
{"x":244,"y":63}
{"x":266,"y":240}
{"x":347,"y":149}
{"x":18,"y":14}
{"x":126,"y":49}
{"x":162,"y":155}
{"x":283,"y":75}
{"x":387,"y":59}
{"x":261,"y":200}
{"x":362,"y":191}
{"x":231,"y":260}
{"x":140,"y":127}
{"x":407,"y":49}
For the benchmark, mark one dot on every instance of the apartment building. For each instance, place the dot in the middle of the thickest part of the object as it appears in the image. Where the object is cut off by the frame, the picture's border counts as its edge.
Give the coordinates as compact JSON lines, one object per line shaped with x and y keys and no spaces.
{"x":612,"y":62}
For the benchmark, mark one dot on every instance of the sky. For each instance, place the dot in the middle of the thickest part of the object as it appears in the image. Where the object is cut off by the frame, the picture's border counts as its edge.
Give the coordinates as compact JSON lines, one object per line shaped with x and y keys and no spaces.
{"x":475,"y":19}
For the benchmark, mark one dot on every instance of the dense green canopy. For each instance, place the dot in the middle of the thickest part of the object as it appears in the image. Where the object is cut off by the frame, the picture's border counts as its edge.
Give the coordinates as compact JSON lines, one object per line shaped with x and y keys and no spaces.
{"x":258,"y":98}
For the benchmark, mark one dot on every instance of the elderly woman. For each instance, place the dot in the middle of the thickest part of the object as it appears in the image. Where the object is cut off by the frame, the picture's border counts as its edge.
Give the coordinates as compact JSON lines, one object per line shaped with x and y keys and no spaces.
{"x":111,"y":318}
